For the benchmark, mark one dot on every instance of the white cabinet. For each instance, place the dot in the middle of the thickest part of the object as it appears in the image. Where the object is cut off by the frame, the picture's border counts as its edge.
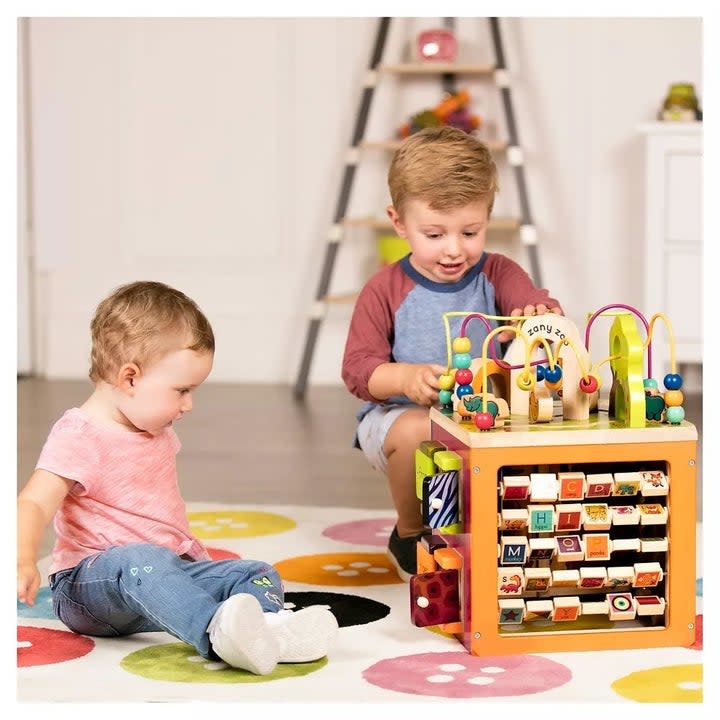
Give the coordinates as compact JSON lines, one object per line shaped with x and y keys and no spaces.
{"x":673,"y":272}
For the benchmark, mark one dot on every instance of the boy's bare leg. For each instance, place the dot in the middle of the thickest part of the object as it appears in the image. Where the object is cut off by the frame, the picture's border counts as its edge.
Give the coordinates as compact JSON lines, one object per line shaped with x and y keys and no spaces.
{"x":403,"y":438}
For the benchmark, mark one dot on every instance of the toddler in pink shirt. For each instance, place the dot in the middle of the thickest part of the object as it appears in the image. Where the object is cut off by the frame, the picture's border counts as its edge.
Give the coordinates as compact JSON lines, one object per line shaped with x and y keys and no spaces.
{"x":125,"y":560}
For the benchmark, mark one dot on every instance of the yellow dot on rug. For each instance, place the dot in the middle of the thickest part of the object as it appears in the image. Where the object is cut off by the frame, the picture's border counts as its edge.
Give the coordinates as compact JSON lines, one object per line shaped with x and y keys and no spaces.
{"x":349,"y":569}
{"x":178,"y":662}
{"x":237,"y":523}
{"x":671,"y":683}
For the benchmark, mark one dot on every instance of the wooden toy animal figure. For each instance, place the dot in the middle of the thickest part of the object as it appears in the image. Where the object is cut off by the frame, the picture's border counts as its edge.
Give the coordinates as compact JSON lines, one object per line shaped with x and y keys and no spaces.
{"x":654,"y":404}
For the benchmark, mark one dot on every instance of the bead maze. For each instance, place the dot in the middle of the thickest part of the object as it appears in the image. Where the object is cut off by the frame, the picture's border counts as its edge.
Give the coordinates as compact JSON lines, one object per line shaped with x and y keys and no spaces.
{"x":557,"y":518}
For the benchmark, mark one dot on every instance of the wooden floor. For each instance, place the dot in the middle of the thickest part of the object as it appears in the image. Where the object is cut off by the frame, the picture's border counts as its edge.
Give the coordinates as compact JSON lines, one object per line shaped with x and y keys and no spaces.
{"x":252,"y":444}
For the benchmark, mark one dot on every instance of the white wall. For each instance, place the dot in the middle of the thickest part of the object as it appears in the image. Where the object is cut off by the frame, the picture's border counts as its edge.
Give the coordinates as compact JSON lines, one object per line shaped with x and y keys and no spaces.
{"x":207,"y":153}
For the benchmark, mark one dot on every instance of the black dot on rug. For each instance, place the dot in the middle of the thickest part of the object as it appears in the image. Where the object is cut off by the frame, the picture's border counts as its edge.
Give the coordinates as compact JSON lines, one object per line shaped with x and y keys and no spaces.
{"x":348,"y":609}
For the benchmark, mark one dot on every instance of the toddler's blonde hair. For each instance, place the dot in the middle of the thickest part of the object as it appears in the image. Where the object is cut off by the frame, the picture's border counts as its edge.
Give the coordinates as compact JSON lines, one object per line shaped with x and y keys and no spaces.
{"x":444,"y":167}
{"x":140,"y":323}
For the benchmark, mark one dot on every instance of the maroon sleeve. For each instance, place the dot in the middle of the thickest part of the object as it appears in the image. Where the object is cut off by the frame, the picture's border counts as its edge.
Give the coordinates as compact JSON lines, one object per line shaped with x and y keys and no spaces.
{"x":372,"y":327}
{"x":513,"y":286}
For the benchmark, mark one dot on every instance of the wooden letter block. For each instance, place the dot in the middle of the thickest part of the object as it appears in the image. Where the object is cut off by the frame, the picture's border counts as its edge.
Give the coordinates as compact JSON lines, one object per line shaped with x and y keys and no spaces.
{"x":647,"y":574}
{"x":512,"y":611}
{"x":626,"y":545}
{"x":510,"y":582}
{"x":621,"y":606}
{"x":515,"y":487}
{"x":618,"y":577}
{"x":434,"y":598}
{"x":569,"y":548}
{"x":599,"y":485}
{"x":654,"y":482}
{"x":652,"y":514}
{"x":542,"y":518}
{"x":597,"y":546}
{"x":566,"y":608}
{"x":625,"y":515}
{"x":568,"y":517}
{"x":514,"y":550}
{"x":649,"y":605}
{"x":543,"y":487}
{"x":542,"y":548}
{"x":538,"y":610}
{"x":513,"y":519}
{"x":626,"y":483}
{"x":571,"y":485}
{"x":655,"y":544}
{"x":596,"y":516}
{"x":565,"y":578}
{"x":592,"y":577}
{"x":594,"y":607}
{"x":537,"y":579}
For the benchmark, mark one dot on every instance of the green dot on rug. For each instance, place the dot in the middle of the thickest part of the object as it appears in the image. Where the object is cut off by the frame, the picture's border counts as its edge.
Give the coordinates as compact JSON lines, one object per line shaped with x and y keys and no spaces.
{"x":178,"y":662}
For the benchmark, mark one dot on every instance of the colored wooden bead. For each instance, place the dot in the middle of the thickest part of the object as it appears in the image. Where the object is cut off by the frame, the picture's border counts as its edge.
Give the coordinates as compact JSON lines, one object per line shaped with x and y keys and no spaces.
{"x":589,"y":385}
{"x":553,"y":385}
{"x":553,"y":374}
{"x":462,"y":360}
{"x":650,"y":383}
{"x":525,"y":381}
{"x":675,"y":415}
{"x":672,"y":381}
{"x":463,"y":376}
{"x":673,"y":398}
{"x":540,"y":372}
{"x":461,"y":345}
{"x":446,"y":381}
{"x":445,"y":396}
{"x":484,"y":420}
{"x":463,"y":390}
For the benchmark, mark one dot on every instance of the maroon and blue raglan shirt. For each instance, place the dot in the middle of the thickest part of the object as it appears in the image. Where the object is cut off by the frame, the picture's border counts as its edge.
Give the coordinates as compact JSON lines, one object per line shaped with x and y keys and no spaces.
{"x":398,"y":316}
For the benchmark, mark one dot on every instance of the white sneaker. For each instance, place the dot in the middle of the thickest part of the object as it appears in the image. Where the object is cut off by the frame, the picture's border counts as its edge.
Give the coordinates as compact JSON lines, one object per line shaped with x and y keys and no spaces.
{"x":304,"y":635}
{"x":241,"y":637}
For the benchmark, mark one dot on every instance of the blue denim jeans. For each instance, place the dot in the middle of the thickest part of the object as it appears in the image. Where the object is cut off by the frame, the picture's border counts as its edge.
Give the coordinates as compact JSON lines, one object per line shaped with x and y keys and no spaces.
{"x":142,"y":587}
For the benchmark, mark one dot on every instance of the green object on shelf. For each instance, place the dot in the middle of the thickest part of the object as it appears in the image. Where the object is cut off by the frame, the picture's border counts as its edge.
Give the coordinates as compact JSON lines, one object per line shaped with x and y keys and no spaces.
{"x":391,"y":248}
{"x":681,"y":104}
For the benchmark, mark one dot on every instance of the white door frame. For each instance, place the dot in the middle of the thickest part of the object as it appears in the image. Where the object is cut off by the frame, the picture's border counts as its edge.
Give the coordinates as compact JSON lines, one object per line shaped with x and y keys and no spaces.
{"x":25,"y":261}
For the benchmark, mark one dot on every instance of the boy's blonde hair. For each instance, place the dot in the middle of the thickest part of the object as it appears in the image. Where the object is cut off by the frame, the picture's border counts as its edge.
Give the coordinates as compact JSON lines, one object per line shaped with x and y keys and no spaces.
{"x":443,"y":166}
{"x":140,"y":323}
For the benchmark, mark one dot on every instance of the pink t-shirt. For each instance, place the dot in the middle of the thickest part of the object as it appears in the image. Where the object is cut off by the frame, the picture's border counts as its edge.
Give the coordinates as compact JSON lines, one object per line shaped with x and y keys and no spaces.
{"x":125,"y":490}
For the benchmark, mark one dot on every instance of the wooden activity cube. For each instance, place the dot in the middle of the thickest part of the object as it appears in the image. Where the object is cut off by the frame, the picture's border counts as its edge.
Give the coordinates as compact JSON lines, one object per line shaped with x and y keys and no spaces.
{"x":622,"y":567}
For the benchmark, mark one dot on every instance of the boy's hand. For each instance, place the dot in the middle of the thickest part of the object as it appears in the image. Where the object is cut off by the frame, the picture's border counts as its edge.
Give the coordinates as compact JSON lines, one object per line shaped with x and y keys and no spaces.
{"x":28,"y":582}
{"x":507,"y":335}
{"x":421,"y":383}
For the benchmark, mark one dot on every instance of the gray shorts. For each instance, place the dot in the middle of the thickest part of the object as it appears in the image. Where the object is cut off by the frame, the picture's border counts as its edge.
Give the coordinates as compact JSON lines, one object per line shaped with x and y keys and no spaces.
{"x":373,"y":430}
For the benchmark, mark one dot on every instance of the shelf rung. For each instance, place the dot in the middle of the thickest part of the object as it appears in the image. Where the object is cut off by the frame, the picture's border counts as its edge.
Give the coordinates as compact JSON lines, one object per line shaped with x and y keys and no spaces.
{"x":341,"y":298}
{"x":437,"y":68}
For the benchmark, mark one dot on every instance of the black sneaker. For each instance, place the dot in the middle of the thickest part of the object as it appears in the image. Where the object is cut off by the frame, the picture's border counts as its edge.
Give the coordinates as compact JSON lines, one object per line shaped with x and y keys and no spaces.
{"x":403,"y":553}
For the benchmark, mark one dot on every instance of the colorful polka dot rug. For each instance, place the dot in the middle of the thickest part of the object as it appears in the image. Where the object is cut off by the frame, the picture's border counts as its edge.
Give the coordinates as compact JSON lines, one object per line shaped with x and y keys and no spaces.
{"x":336,"y":558}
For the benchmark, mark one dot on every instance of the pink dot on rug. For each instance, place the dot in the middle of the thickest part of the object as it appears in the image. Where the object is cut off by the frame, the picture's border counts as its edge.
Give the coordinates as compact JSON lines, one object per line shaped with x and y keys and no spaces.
{"x":461,"y":675}
{"x":362,"y":532}
{"x":44,"y":646}
{"x":698,"y":644}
